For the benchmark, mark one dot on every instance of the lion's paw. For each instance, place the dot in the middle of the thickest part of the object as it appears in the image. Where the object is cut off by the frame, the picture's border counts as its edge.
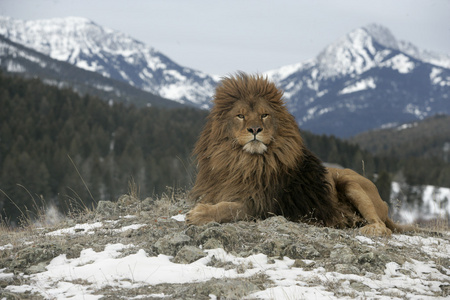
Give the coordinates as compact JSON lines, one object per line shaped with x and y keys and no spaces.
{"x":375,"y":229}
{"x":199,"y":215}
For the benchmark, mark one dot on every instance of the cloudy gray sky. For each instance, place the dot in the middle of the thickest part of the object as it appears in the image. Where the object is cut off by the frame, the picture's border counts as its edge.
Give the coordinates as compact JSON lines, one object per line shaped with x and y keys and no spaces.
{"x":220,"y":37}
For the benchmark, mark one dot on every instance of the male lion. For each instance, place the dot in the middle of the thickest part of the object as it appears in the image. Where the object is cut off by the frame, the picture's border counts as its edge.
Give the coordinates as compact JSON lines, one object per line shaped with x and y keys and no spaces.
{"x":253,"y":164}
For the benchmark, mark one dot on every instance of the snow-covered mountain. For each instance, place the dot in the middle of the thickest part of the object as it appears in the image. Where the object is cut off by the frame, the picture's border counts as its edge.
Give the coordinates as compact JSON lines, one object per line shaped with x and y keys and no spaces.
{"x":113,"y":54}
{"x":18,"y":59}
{"x":365,"y":80}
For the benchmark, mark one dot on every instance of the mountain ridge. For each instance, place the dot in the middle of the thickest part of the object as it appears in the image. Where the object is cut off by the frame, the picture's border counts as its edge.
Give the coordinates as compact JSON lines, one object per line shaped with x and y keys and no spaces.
{"x":18,"y":59}
{"x":364,"y":80}
{"x":113,"y":54}
{"x":358,"y":83}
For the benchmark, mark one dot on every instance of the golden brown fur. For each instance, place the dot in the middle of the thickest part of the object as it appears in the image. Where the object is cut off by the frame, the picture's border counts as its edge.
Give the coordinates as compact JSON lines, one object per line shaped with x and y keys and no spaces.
{"x":253,"y":164}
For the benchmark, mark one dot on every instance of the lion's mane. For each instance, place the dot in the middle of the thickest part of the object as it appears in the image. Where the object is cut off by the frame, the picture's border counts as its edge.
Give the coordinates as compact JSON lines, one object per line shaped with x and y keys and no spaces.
{"x":287,"y":179}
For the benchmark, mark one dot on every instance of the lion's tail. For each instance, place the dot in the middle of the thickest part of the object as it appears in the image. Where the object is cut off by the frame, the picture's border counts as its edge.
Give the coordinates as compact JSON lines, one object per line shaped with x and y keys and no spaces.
{"x":397,"y":228}
{"x":400,"y":228}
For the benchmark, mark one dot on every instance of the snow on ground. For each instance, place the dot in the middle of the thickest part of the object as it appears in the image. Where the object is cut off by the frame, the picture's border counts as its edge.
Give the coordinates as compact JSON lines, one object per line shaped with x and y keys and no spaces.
{"x":82,"y":277}
{"x":77,"y":229}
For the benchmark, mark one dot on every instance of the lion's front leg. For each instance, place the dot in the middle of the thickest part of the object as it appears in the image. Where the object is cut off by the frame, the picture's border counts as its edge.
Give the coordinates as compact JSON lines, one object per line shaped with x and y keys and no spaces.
{"x":221,"y":212}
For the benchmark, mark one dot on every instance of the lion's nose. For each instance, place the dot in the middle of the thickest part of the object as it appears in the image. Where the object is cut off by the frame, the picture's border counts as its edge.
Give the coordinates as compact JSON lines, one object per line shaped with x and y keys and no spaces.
{"x":254,"y":130}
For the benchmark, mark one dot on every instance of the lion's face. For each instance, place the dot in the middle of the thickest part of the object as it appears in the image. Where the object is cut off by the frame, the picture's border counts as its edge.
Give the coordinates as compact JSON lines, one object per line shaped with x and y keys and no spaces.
{"x":252,"y":124}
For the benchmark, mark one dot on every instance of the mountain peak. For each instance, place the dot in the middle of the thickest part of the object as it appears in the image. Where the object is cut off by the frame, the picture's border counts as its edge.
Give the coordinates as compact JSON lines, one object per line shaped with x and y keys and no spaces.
{"x":44,"y":24}
{"x":381,"y":35}
{"x":369,"y":78}
{"x":356,"y":52}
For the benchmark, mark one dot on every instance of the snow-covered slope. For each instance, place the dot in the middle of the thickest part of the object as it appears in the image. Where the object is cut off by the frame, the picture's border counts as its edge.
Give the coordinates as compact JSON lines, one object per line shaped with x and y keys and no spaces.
{"x":419,"y":203}
{"x":18,"y":59}
{"x":113,"y":54}
{"x":363,"y":81}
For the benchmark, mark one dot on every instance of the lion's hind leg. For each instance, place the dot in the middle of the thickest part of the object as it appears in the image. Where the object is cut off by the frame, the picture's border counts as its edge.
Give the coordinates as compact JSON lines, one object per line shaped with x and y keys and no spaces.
{"x":221,"y":212}
{"x":356,"y":190}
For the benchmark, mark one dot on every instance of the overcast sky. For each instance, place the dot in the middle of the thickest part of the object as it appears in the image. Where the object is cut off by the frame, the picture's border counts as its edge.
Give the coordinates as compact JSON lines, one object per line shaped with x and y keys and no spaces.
{"x":220,"y":37}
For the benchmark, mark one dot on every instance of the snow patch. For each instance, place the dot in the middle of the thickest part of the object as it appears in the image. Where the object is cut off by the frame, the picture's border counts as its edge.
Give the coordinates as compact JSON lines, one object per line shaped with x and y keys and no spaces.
{"x":180,"y":217}
{"x":406,"y":126}
{"x":436,"y":77}
{"x":15,"y":67}
{"x":362,"y":85}
{"x":77,"y":229}
{"x":401,"y":63}
{"x":415,"y":110}
{"x":285,"y":71}
{"x":6,"y":247}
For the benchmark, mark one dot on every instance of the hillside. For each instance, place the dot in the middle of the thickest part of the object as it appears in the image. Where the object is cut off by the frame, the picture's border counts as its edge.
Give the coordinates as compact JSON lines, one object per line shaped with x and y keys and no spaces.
{"x":57,"y":147}
{"x":419,"y":149}
{"x":142,"y":249}
{"x":429,"y":138}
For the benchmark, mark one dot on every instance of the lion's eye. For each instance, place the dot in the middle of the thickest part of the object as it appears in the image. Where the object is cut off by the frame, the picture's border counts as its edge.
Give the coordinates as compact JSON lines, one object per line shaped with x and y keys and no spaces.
{"x":263,"y":116}
{"x":240,"y":116}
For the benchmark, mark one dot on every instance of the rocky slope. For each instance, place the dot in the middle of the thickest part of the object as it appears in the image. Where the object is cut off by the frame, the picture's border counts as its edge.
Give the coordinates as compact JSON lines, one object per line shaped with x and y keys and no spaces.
{"x":142,"y":249}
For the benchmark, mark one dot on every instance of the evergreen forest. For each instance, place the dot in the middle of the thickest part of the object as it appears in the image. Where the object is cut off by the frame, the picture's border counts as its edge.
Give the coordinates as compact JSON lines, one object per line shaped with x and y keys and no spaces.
{"x":60,"y":148}
{"x":64,"y":149}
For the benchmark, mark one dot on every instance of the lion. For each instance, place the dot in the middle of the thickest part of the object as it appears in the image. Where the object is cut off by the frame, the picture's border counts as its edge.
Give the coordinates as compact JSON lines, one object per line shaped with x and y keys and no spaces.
{"x":253,"y":164}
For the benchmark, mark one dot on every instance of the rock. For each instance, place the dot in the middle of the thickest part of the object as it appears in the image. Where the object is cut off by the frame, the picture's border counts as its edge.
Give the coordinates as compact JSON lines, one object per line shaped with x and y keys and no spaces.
{"x":188,"y":254}
{"x":172,"y":243}
{"x":342,"y":254}
{"x":106,"y":208}
{"x":304,"y":264}
{"x":301,"y":251}
{"x":225,"y":234}
{"x":346,"y":269}
{"x":272,"y":247}
{"x":359,"y":286}
{"x":366,"y":258}
{"x":212,"y":244}
{"x":41,"y":267}
{"x":223,"y":288}
{"x":5,"y":280}
{"x":35,"y":254}
{"x":147,"y":203}
{"x":280,"y":225}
